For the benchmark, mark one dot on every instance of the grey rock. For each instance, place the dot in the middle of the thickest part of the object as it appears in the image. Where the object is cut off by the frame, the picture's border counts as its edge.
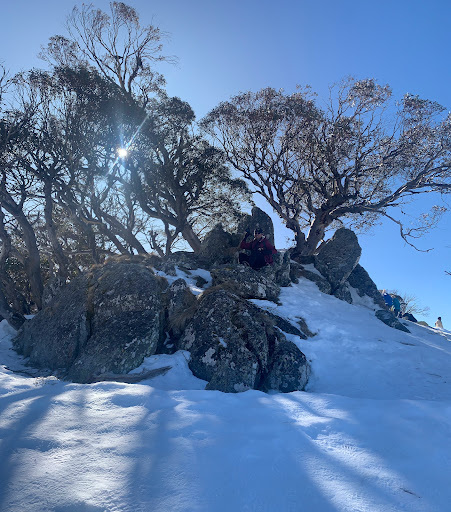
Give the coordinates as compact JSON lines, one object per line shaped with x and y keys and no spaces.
{"x":280,"y":271}
{"x":338,"y":257}
{"x":298,"y":271}
{"x":343,"y":293}
{"x":410,"y":317}
{"x":126,"y":322}
{"x":167,"y":266}
{"x":57,"y":333}
{"x":286,"y":326}
{"x":184,"y":260}
{"x":181,"y":304}
{"x":290,"y":370}
{"x":389,"y":319}
{"x":200,"y":281}
{"x":304,"y":328}
{"x":218,"y":247}
{"x":258,"y":219}
{"x":296,"y":256}
{"x":295,"y":269}
{"x":246,"y":282}
{"x":225,"y":336}
{"x":282,"y":268}
{"x":107,"y":321}
{"x":234,"y":346}
{"x":51,"y":288}
{"x":362,"y":282}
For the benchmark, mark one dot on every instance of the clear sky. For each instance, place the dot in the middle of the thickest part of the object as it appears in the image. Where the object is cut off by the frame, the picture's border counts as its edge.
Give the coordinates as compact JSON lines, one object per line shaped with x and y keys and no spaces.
{"x":224,"y":48}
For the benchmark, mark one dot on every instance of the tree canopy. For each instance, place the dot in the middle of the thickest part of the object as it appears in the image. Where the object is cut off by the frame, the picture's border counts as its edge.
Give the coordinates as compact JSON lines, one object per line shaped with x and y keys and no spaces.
{"x":361,"y":156}
{"x":67,"y":197}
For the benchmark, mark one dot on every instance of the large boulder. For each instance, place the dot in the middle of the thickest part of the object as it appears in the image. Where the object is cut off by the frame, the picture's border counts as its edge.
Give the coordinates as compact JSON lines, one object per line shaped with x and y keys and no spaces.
{"x":343,"y":293}
{"x":338,"y":257}
{"x":258,"y":219}
{"x":282,"y":268}
{"x":362,"y":282}
{"x":289,"y":371}
{"x":389,"y":319}
{"x":235,"y":347}
{"x":246,"y":282}
{"x":219,"y":247}
{"x":55,"y":336}
{"x":107,"y":321}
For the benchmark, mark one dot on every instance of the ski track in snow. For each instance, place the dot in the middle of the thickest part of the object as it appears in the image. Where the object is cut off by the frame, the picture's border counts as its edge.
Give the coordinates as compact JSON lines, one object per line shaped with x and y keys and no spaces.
{"x":371,"y":434}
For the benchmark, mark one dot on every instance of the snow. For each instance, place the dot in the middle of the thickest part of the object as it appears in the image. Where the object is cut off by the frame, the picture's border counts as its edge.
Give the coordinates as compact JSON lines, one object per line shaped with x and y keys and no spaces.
{"x":189,"y":277}
{"x":372,"y":433}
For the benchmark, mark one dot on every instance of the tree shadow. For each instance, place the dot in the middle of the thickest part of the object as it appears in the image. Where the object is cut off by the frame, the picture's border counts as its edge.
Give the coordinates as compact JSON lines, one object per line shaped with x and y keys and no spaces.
{"x":131,"y":447}
{"x":25,"y":409}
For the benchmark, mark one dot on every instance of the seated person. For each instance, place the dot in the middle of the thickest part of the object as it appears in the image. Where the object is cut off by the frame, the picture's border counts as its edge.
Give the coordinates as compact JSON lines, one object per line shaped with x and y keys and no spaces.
{"x":438,"y":323}
{"x":261,"y":250}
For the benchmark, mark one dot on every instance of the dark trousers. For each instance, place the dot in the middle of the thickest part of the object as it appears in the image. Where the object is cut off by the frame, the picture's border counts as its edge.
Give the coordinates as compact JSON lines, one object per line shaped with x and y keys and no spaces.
{"x":251,"y":260}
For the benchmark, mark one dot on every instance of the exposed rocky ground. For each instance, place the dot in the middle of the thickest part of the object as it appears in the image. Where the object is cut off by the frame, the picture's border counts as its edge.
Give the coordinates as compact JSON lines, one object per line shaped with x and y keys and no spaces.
{"x":107,"y":321}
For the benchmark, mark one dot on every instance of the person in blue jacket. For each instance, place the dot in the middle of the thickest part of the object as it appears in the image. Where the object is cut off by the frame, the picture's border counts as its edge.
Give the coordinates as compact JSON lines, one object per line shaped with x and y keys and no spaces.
{"x":396,"y":306}
{"x":387,"y":298}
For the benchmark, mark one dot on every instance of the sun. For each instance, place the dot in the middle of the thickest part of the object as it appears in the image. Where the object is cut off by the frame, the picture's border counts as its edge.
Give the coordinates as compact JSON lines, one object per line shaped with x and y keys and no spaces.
{"x":122,"y":152}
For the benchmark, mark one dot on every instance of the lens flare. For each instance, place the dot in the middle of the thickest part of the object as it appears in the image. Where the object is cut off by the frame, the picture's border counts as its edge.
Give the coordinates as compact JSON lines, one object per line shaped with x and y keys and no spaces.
{"x":122,"y":152}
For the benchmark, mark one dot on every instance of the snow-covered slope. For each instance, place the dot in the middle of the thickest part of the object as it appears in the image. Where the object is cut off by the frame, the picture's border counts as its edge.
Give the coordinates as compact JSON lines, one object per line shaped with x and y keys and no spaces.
{"x":372,"y":433}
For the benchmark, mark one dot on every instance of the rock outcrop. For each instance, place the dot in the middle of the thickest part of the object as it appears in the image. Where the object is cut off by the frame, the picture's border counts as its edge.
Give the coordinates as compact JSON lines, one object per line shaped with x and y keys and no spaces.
{"x":258,"y":219}
{"x":108,"y":320}
{"x":246,"y":282}
{"x":219,"y":247}
{"x":105,"y":321}
{"x":338,"y":257}
{"x":362,"y":282}
{"x":389,"y":319}
{"x":235,"y":347}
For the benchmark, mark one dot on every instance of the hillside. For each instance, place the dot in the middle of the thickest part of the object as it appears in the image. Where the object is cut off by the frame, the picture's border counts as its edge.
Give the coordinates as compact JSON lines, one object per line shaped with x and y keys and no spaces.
{"x":371,"y":433}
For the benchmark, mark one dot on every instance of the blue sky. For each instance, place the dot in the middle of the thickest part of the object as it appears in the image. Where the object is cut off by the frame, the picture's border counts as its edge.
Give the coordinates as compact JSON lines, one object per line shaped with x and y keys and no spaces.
{"x":224,"y":48}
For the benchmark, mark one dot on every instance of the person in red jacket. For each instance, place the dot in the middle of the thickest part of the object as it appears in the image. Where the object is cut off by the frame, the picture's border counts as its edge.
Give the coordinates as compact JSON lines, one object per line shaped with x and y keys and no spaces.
{"x":261,"y":250}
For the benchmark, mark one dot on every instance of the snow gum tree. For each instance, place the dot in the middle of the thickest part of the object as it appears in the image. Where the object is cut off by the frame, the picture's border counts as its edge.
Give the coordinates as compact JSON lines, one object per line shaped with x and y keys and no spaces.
{"x":16,"y":200}
{"x":115,"y":44}
{"x":68,"y":198}
{"x":174,"y":175}
{"x":360,"y":157}
{"x":178,"y":177}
